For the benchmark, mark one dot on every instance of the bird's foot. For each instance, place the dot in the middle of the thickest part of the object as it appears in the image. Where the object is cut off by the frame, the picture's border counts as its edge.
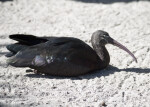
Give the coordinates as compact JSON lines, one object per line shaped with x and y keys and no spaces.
{"x":29,"y":70}
{"x":36,"y":71}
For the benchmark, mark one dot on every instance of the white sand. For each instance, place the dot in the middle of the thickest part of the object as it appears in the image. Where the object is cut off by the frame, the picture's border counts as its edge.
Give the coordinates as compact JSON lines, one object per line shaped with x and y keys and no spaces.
{"x":126,"y":84}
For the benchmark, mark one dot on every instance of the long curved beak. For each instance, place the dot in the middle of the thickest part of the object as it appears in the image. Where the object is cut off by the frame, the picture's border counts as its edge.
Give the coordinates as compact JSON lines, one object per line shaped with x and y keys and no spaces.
{"x":115,"y":43}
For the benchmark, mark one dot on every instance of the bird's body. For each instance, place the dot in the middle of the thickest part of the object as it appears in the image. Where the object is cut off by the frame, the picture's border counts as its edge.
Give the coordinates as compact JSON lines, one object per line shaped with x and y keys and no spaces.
{"x":60,"y":56}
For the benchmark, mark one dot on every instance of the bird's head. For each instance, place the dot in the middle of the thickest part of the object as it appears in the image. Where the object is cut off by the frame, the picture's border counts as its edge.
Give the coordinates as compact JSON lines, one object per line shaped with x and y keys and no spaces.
{"x":101,"y":38}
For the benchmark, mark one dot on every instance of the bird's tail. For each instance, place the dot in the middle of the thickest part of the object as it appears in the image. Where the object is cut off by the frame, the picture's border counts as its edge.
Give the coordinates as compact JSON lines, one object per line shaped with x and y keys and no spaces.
{"x":27,"y":39}
{"x":14,"y":48}
{"x":18,"y":62}
{"x":23,"y":42}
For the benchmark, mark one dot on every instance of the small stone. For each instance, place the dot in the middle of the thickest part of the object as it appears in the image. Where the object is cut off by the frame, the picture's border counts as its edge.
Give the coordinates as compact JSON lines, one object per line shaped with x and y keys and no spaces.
{"x":54,"y":87}
{"x":103,"y":104}
{"x":29,"y":21}
{"x":5,"y":94}
{"x":11,"y":4}
{"x":22,"y":103}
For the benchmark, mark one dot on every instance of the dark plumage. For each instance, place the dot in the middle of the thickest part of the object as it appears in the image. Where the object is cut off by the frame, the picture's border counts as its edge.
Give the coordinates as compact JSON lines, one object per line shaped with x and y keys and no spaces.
{"x":61,"y":56}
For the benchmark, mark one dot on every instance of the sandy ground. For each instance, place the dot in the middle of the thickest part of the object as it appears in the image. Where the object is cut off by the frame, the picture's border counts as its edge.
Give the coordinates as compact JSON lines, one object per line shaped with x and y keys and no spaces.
{"x":124,"y":84}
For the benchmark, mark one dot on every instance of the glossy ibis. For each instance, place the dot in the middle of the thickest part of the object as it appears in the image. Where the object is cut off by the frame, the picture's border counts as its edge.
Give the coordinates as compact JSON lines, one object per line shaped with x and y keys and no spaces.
{"x":61,"y":56}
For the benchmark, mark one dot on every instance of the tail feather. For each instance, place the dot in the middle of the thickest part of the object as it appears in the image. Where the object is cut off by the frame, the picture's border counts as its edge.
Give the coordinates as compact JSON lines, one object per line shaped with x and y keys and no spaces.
{"x":10,"y":54}
{"x":23,"y":42}
{"x":27,"y":39}
{"x":15,"y":47}
{"x":18,"y":62}
{"x":19,"y":55}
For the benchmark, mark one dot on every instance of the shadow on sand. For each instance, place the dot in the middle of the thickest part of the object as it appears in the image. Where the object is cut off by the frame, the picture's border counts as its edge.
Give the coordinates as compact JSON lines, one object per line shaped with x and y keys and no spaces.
{"x":109,"y":70}
{"x":106,"y":1}
{"x":5,"y":0}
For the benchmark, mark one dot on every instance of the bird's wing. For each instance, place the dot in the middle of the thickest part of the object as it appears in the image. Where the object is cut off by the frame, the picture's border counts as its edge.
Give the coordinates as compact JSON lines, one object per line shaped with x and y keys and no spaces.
{"x":27,"y":39}
{"x":23,"y":58}
{"x":24,"y":41}
{"x":35,"y":55}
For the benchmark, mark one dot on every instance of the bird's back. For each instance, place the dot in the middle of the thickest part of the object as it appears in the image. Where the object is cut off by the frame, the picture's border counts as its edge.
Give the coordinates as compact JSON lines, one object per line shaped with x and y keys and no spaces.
{"x":61,"y":56}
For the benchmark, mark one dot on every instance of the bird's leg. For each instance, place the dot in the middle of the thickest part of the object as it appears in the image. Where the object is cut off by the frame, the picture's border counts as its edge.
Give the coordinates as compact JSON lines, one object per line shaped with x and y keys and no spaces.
{"x":35,"y":71}
{"x":29,"y":70}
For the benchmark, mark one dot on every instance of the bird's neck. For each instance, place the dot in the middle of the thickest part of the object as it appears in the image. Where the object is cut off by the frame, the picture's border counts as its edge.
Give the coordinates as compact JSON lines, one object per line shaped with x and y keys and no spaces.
{"x":103,"y":54}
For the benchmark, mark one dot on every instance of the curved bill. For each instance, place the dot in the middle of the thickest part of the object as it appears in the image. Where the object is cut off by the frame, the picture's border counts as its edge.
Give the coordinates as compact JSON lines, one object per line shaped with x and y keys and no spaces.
{"x":115,"y":43}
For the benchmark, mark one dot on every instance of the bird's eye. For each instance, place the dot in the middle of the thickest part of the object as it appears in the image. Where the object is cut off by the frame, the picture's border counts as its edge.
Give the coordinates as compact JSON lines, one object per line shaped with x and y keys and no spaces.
{"x":104,"y":35}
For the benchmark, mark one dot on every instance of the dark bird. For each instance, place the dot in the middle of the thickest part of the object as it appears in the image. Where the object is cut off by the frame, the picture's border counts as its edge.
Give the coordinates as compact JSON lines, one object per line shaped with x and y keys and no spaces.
{"x":61,"y":56}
